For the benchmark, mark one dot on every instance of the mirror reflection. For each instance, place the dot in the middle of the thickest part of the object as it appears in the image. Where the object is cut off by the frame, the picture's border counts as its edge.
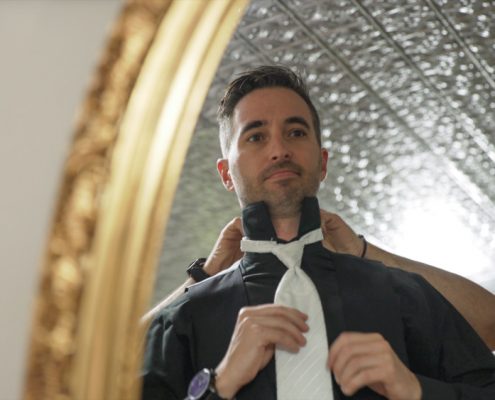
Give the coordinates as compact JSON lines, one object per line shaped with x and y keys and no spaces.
{"x":406,"y":98}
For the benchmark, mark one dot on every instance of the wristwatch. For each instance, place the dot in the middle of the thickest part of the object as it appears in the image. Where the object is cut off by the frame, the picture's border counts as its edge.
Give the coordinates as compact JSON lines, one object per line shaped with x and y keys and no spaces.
{"x":202,"y":386}
{"x":196,"y":271}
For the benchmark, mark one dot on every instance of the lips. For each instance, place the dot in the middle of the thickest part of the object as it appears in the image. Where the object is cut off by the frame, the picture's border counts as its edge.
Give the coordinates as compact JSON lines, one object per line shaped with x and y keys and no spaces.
{"x":283,"y":170}
{"x":283,"y":174}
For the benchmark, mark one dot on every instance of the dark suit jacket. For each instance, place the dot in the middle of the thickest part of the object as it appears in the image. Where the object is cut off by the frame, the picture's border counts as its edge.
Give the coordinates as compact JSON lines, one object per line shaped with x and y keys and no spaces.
{"x":426,"y":332}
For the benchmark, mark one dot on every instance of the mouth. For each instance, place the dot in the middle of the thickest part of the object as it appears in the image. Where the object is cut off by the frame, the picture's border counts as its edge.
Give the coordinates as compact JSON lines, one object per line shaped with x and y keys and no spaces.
{"x":282,"y":174}
{"x":282,"y":171}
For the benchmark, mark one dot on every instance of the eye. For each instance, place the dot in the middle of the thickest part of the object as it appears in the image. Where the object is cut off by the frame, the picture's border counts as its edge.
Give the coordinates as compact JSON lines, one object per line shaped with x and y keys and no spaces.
{"x":255,"y":137}
{"x":297,"y":133}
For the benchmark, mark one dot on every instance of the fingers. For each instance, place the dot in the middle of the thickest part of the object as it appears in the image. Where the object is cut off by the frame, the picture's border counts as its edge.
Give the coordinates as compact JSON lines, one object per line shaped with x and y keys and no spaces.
{"x":353,"y":360}
{"x":330,"y":221}
{"x":227,"y":249}
{"x":371,"y":376}
{"x":364,"y":370}
{"x":349,"y":344}
{"x":278,"y":336}
{"x":275,"y":310}
{"x":257,"y":331}
{"x":367,"y":359}
{"x":275,"y":324}
{"x":233,"y":229}
{"x":327,"y":228}
{"x":338,"y":236}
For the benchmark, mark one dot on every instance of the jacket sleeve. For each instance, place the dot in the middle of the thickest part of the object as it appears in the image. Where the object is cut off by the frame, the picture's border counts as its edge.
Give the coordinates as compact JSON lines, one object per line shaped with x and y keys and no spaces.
{"x":167,"y":368}
{"x":448,"y":357}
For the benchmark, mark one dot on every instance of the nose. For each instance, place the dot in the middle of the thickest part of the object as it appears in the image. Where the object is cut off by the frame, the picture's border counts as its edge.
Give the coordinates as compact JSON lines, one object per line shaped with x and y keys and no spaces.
{"x":280,"y":149}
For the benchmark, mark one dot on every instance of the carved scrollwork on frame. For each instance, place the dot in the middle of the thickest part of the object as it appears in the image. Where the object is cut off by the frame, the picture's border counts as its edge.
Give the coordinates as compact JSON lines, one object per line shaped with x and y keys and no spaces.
{"x":116,"y":195}
{"x":67,"y":261}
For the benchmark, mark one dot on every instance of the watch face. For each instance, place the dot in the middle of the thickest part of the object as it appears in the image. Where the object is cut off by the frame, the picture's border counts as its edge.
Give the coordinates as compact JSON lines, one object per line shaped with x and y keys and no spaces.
{"x":199,"y":384}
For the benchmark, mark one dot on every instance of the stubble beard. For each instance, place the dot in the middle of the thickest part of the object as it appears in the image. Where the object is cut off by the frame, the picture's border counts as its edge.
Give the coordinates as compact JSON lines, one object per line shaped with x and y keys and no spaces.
{"x":284,"y":200}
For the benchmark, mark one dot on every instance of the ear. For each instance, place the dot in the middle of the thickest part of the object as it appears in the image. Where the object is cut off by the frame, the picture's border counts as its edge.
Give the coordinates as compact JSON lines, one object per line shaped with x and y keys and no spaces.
{"x":224,"y":172}
{"x":324,"y":160}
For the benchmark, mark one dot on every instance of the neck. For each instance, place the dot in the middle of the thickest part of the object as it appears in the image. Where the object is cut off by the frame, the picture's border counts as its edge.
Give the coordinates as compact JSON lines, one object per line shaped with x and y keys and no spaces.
{"x":262,"y":222}
{"x":286,"y":227}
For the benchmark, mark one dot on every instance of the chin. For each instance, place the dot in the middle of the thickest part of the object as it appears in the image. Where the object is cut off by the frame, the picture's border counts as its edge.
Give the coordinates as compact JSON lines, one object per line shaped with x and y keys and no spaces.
{"x":289,"y":200}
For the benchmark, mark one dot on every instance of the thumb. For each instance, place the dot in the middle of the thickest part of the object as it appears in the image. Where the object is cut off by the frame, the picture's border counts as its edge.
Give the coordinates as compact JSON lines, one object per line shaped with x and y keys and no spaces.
{"x":234,"y":229}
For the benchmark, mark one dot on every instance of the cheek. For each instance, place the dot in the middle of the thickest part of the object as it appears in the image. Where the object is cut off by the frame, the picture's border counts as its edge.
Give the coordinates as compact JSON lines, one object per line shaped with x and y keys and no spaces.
{"x":312,"y":161}
{"x":241,"y":163}
{"x":244,"y":170}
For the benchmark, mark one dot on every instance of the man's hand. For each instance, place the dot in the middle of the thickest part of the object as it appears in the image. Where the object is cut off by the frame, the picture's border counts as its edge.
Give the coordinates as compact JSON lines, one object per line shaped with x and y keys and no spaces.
{"x":366,"y":359}
{"x":227,"y":249}
{"x":258,"y":330}
{"x":338,"y":236}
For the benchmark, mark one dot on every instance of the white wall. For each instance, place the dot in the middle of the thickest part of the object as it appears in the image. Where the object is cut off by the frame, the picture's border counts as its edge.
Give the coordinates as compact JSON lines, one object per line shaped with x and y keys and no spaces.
{"x":49,"y":49}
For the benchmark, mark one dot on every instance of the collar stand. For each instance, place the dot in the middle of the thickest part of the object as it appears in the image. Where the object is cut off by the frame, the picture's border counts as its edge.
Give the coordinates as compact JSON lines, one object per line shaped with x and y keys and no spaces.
{"x":258,"y":225}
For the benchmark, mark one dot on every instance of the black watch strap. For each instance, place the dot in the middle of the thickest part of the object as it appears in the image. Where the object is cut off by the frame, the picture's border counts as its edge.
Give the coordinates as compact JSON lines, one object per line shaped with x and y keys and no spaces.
{"x":214,"y":396}
{"x":196,"y":271}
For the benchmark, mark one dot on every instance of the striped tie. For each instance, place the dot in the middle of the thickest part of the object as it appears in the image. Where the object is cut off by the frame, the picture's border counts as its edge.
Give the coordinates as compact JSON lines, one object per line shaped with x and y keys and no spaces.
{"x":303,"y":375}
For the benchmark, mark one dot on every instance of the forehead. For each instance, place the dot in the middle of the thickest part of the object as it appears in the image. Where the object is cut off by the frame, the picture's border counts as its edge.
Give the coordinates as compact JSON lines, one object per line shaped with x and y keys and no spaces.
{"x":270,"y":104}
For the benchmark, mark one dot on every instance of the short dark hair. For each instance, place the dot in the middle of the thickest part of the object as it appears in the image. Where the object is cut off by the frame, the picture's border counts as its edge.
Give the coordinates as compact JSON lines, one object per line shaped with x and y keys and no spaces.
{"x":258,"y":78}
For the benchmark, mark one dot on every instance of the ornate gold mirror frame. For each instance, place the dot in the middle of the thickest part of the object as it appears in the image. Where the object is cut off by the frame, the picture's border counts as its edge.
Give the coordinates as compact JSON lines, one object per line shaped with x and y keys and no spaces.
{"x":117,"y":190}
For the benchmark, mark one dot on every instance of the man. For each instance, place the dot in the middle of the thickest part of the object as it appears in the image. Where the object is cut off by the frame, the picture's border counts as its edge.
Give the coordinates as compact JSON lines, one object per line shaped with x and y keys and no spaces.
{"x":389,"y":333}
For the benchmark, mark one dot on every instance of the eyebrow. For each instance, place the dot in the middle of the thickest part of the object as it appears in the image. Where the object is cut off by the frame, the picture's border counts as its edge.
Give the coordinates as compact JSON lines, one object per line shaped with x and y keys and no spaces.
{"x":298,"y":120}
{"x":288,"y":121}
{"x":252,"y":125}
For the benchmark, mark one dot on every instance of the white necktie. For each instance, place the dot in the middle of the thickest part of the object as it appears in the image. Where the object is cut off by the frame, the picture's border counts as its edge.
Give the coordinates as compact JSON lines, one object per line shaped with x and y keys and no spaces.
{"x":303,"y":375}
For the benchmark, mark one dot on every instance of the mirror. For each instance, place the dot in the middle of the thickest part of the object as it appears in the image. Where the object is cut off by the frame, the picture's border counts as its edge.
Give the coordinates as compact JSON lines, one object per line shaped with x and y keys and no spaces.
{"x":406,"y":96}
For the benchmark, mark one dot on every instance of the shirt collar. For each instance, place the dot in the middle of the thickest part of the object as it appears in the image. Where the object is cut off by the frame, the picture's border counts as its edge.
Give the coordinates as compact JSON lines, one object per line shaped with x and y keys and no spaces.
{"x":258,"y":225}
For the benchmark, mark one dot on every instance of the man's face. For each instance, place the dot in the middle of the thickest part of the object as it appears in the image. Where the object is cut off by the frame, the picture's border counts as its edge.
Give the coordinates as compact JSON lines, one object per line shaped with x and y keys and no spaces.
{"x":274,"y":154}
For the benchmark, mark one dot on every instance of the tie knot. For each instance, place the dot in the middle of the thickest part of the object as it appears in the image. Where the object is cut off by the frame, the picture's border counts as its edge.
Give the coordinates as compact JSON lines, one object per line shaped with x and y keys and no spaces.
{"x":290,"y":254}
